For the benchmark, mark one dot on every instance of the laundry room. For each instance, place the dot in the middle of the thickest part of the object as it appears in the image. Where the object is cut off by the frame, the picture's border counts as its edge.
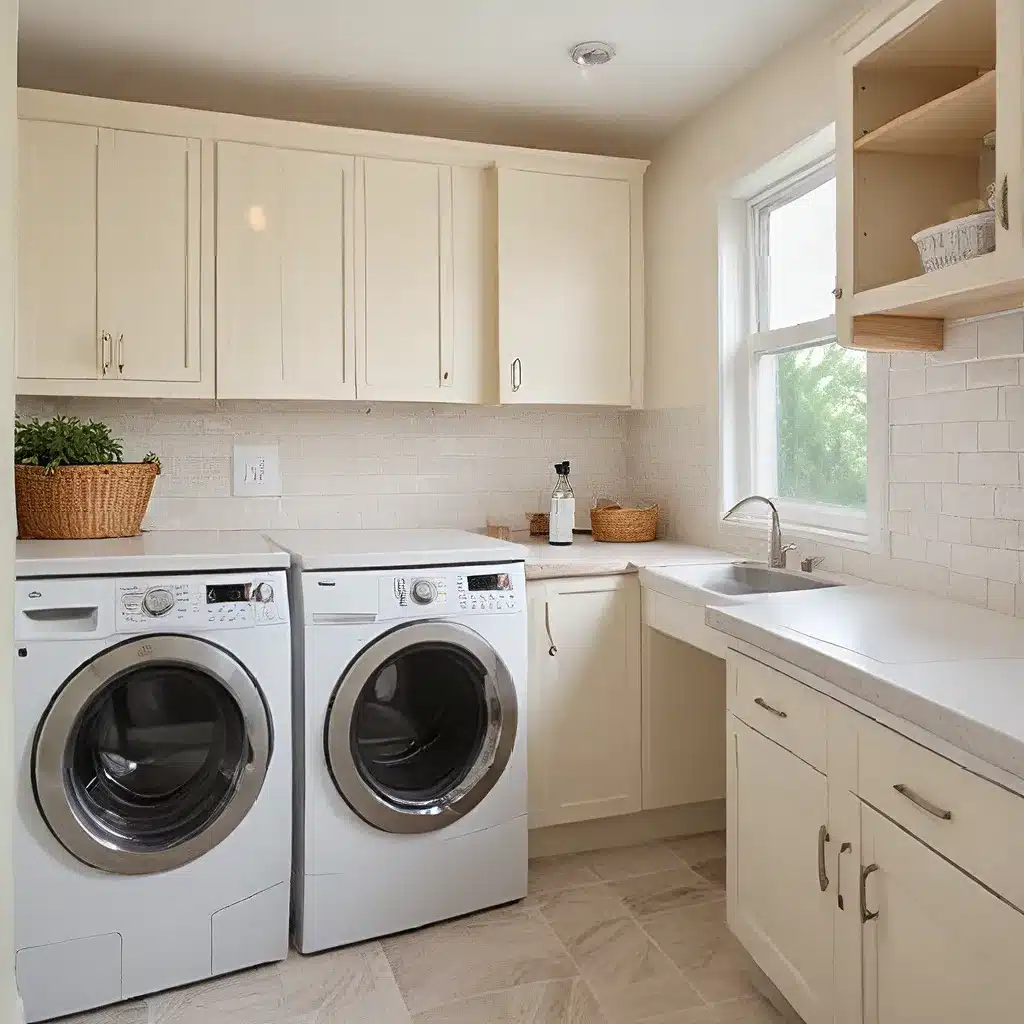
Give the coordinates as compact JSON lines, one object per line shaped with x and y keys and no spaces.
{"x":518,"y":512}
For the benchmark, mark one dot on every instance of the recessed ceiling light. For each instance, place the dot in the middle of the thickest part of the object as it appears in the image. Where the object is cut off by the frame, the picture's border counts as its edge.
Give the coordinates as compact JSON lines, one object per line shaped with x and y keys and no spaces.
{"x":591,"y":55}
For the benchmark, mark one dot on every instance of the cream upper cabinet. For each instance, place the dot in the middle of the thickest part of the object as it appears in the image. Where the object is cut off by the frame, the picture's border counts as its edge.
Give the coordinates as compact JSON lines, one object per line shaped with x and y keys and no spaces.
{"x":778,"y":901}
{"x":584,"y":707}
{"x":57,"y":336}
{"x":938,"y":947}
{"x":405,"y":281}
{"x":567,"y":289}
{"x":285,"y":278}
{"x":109,"y":262}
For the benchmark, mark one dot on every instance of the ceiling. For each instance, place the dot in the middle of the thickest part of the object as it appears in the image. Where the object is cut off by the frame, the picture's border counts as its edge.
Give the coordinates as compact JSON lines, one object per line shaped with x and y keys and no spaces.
{"x":468,"y":68}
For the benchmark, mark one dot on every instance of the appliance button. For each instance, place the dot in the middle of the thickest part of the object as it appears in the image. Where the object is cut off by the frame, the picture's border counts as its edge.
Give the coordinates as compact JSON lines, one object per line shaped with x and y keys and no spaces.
{"x":264,"y":593}
{"x":158,"y":601}
{"x":424,"y":591}
{"x":270,"y":611}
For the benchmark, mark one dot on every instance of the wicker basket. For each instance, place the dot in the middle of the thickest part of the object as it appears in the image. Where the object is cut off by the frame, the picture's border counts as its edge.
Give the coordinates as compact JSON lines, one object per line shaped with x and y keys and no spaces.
{"x":956,"y":241}
{"x":539,"y":522}
{"x":614,"y":524}
{"x":83,"y":502}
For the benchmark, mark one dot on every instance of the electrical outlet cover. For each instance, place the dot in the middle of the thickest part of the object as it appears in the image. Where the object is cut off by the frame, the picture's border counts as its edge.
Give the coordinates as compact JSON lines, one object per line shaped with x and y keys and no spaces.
{"x":256,"y":470}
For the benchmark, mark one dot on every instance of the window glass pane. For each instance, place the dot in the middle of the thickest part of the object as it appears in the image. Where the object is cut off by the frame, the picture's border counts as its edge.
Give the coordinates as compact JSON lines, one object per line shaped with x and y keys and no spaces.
{"x":820,"y":425}
{"x":802,"y":256}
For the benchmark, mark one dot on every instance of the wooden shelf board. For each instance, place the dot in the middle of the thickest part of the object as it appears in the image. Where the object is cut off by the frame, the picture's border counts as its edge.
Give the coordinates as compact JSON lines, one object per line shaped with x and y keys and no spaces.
{"x":887,"y":333}
{"x":952,"y":125}
{"x":983,"y":285}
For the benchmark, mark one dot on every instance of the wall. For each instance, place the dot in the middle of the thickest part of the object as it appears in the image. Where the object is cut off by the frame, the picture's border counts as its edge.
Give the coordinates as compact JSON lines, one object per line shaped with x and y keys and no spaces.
{"x":8,"y":146}
{"x":348,"y":465}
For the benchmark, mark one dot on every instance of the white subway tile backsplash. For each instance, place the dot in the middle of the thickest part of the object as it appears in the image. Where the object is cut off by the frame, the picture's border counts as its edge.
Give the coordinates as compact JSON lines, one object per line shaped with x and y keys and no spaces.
{"x":927,"y":468}
{"x":970,"y":500}
{"x":989,"y":468}
{"x":1000,"y":336}
{"x":961,"y":344}
{"x":992,"y":563}
{"x":954,"y":529}
{"x":968,"y":589}
{"x":992,"y":373}
{"x":1002,"y":597}
{"x":905,"y":440}
{"x":994,"y":437}
{"x":946,"y":407}
{"x":952,"y":377}
{"x":958,"y":437}
{"x":903,"y":383}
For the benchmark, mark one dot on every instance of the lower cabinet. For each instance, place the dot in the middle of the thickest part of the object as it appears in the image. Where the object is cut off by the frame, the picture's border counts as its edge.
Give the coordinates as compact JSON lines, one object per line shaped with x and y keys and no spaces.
{"x":858,"y":916}
{"x":778,"y":809}
{"x":584,"y":699}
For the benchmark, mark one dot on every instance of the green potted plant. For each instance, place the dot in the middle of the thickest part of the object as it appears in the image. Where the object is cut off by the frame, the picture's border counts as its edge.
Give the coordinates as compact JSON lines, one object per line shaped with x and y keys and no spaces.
{"x":71,"y":483}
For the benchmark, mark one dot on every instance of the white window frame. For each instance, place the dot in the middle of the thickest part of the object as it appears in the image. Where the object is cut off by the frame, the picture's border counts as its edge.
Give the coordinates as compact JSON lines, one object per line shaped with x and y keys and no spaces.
{"x":746,"y":466}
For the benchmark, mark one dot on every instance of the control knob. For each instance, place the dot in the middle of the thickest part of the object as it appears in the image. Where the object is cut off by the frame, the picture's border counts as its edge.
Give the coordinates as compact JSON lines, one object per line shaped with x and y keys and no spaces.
{"x":424,"y":592}
{"x":264,"y":593}
{"x":157,"y":601}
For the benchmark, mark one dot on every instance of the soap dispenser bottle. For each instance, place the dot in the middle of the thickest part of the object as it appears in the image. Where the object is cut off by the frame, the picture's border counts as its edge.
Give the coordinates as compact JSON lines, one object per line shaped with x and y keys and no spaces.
{"x":563,"y":509}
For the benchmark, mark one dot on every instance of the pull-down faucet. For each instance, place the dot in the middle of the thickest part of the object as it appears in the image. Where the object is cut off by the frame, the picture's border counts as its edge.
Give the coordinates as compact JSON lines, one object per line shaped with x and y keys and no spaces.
{"x":777,"y":553}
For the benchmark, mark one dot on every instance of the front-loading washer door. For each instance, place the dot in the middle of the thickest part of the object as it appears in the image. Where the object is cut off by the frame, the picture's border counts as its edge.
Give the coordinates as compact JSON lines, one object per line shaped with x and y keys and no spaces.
{"x":151,"y":754}
{"x":421,"y":726}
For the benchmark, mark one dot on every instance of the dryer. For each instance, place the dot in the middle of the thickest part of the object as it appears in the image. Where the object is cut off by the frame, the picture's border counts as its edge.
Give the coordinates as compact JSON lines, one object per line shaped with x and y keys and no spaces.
{"x":410,"y":730}
{"x":152,"y":745}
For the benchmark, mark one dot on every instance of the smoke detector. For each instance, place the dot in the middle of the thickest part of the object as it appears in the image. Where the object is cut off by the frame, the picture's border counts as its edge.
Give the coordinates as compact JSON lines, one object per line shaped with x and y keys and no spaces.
{"x":591,"y":55}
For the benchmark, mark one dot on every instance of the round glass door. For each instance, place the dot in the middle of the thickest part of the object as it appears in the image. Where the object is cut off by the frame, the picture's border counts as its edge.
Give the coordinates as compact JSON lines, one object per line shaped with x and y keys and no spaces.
{"x":151,"y":754}
{"x":421,"y":727}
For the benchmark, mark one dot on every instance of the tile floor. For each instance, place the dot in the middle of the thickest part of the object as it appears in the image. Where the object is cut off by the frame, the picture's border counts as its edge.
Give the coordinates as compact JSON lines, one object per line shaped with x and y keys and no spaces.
{"x":610,"y":937}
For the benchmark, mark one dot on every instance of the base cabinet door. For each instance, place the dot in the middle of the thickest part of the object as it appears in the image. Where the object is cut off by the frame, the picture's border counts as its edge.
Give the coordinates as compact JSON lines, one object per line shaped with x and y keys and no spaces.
{"x":284,"y":273}
{"x":938,"y":947}
{"x":584,"y":704}
{"x":779,"y":905}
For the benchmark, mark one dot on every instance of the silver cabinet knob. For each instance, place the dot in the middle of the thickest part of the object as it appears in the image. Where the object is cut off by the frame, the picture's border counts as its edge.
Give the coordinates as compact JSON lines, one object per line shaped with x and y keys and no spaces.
{"x":264,"y":593}
{"x":837,"y":292}
{"x":424,"y":592}
{"x":157,"y":601}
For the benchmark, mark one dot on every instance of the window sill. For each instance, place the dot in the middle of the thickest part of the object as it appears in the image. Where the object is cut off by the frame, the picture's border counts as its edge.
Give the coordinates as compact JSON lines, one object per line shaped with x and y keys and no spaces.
{"x":759,"y":527}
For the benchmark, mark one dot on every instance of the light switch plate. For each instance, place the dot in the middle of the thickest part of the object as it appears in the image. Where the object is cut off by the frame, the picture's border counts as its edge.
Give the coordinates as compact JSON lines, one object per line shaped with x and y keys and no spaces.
{"x":256,"y":470}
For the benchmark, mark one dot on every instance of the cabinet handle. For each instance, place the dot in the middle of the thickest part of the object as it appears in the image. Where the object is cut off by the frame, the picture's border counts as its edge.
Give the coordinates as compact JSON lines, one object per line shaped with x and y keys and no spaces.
{"x":106,"y":351}
{"x":1004,"y":204}
{"x":823,"y":838}
{"x":552,"y":650}
{"x":762,"y":703}
{"x":837,"y":293}
{"x":517,"y":374}
{"x":120,"y":353}
{"x":865,"y":916}
{"x":925,"y":805}
{"x":845,"y":848}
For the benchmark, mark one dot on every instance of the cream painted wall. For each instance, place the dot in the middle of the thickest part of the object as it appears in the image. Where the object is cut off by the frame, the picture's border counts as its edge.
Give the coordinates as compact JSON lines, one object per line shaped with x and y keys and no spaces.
{"x":784,"y":102}
{"x":8,"y":143}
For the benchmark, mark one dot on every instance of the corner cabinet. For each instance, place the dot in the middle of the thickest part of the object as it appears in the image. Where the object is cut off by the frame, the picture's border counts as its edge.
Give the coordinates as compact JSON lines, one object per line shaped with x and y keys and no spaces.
{"x":109,"y":263}
{"x":584,"y":699}
{"x":921,"y":85}
{"x":870,"y":878}
{"x":570,"y":289}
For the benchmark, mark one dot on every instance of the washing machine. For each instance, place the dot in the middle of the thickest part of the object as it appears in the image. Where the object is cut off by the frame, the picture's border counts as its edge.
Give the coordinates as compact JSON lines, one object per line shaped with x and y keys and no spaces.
{"x":152,"y":750}
{"x":410,"y":730}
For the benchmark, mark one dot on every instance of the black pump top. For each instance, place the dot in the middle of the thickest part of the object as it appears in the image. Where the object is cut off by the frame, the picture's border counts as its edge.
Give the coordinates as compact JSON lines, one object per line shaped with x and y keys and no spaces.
{"x":562,"y":468}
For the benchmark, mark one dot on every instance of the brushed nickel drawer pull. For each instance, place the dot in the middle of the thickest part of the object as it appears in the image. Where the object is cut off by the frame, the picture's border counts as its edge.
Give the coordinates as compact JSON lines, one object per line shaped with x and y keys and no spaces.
{"x":823,"y":838}
{"x":762,"y":703}
{"x":925,"y":805}
{"x":552,"y":650}
{"x":845,"y":848}
{"x":865,"y":916}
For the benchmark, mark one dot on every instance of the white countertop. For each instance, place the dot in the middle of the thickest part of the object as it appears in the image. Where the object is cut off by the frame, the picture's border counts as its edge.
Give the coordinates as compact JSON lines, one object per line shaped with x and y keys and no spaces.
{"x":326,"y":550}
{"x":955,"y":671}
{"x":159,"y":552}
{"x":588,"y":557}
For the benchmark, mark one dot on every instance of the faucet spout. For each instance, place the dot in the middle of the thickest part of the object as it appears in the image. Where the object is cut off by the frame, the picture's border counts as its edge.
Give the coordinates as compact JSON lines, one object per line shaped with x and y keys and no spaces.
{"x":776,"y":555}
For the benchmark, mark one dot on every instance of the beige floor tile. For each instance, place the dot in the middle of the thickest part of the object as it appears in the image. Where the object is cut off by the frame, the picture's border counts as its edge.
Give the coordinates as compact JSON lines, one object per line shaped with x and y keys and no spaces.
{"x":699,"y":942}
{"x":712,"y":870}
{"x":698,"y":849}
{"x":566,"y":1001}
{"x":549,"y":874}
{"x":248,"y":997}
{"x":649,"y":895}
{"x":122,"y":1013}
{"x":630,"y":976}
{"x":487,"y":952}
{"x":344,"y":986}
{"x":629,"y":861}
{"x":739,"y":1011}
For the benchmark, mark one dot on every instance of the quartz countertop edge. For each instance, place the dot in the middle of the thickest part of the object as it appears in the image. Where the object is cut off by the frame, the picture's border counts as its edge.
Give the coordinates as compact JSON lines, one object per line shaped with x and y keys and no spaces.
{"x":971,"y":696}
{"x":587,"y":557}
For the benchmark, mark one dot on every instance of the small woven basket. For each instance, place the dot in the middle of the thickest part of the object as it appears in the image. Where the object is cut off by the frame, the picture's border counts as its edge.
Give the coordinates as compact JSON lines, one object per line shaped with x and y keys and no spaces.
{"x":614,"y":524}
{"x":539,"y":522}
{"x":83,"y":502}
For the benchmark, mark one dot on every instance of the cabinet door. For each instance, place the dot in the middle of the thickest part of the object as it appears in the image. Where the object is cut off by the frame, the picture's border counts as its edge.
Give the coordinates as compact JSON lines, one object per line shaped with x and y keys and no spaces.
{"x":777,"y":805}
{"x":942,"y":948}
{"x":564,"y":289}
{"x":148,"y":255}
{"x":584,"y":708}
{"x":284,"y":273}
{"x":406,"y":321}
{"x":57,"y":336}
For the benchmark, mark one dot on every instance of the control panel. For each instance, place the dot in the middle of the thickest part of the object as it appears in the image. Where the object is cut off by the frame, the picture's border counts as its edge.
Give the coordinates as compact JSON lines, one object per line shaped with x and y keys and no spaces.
{"x":426,"y":592}
{"x":197,"y":602}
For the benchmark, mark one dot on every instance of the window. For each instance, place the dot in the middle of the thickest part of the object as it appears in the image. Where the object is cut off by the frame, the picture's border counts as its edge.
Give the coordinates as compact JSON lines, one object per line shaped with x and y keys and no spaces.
{"x":795,"y":415}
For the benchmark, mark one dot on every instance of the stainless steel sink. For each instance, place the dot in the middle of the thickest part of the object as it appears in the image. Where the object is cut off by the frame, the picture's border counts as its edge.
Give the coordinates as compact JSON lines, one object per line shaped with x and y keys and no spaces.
{"x":743,"y":579}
